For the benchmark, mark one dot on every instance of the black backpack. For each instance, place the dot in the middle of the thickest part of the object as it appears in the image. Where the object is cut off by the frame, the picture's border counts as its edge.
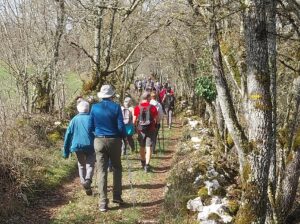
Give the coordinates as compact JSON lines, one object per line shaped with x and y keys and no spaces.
{"x":145,"y":118}
{"x":170,"y":101}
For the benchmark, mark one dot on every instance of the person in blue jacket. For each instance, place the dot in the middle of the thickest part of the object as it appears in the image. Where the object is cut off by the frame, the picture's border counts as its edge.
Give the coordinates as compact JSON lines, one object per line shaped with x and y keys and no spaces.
{"x":106,"y":121}
{"x":80,"y":140}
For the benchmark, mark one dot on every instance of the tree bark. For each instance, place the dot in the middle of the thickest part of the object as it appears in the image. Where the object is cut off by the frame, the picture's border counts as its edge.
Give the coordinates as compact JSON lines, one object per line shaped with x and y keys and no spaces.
{"x":256,"y":167}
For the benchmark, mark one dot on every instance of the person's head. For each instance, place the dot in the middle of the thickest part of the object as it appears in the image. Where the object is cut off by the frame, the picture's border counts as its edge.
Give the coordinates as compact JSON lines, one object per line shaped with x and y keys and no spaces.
{"x":79,"y":99}
{"x":153,"y":95}
{"x":145,"y":96}
{"x":83,"y":107}
{"x":165,"y":85}
{"x":106,"y":92}
{"x":168,"y":89}
{"x":127,"y":102}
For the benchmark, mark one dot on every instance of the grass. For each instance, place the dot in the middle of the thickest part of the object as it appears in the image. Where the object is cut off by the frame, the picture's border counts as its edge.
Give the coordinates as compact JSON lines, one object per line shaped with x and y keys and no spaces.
{"x":58,"y":170}
{"x":73,"y":85}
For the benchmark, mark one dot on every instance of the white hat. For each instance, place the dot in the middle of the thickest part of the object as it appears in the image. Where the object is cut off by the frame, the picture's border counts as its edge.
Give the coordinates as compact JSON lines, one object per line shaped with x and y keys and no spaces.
{"x":83,"y":107}
{"x":106,"y":91}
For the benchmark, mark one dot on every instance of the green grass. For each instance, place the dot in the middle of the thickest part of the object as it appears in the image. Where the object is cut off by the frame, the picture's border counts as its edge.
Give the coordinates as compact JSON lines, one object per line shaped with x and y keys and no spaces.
{"x":73,"y":85}
{"x":58,"y":169}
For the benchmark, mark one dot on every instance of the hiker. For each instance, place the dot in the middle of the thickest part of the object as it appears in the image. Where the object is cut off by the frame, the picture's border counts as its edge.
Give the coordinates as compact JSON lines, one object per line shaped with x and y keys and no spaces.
{"x":169,"y":105}
{"x":127,"y":112}
{"x":106,"y":121}
{"x":144,"y":118}
{"x":79,"y":140}
{"x":159,"y":109}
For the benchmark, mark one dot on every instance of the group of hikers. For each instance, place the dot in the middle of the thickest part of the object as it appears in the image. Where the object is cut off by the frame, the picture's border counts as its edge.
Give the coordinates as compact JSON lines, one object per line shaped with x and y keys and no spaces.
{"x":100,"y":136}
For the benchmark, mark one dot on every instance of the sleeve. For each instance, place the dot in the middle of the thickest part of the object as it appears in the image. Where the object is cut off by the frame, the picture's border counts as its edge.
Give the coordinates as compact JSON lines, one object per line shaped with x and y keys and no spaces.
{"x":154,"y":111}
{"x":91,"y":124}
{"x":68,"y":139}
{"x":121,"y":126}
{"x":136,"y":111}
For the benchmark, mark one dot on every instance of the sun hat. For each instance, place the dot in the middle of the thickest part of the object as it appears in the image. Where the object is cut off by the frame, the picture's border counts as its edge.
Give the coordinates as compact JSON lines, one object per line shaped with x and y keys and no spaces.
{"x":83,"y":107}
{"x":106,"y":91}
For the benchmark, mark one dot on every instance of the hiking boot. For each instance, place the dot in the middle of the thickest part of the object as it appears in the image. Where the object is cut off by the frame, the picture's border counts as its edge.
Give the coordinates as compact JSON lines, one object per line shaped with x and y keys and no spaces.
{"x":89,"y":192}
{"x":143,"y":163}
{"x":118,"y":201}
{"x":109,"y":169}
{"x":103,"y":208}
{"x":87,"y":184}
{"x":147,"y":168}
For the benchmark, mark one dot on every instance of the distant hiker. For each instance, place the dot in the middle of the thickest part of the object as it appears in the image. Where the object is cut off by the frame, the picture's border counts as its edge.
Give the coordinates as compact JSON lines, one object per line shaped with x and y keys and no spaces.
{"x":140,"y":86}
{"x":127,"y":112}
{"x":169,"y":105}
{"x":79,"y":140}
{"x":145,"y":116}
{"x":159,"y":108}
{"x":106,"y":122}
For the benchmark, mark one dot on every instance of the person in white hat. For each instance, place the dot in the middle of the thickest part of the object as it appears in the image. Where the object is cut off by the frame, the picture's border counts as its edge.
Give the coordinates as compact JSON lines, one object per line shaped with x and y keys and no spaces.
{"x":79,"y":140}
{"x":106,"y":121}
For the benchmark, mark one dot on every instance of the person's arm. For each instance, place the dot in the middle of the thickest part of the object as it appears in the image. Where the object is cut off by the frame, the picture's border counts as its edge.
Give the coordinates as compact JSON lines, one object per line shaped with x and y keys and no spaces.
{"x":68,"y":140}
{"x":121,"y":126}
{"x":154,"y":113}
{"x":91,"y":125}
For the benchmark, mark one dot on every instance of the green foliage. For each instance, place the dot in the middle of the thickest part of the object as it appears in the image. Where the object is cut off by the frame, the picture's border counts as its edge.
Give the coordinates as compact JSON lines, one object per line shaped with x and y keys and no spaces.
{"x":206,"y":88}
{"x":233,"y":206}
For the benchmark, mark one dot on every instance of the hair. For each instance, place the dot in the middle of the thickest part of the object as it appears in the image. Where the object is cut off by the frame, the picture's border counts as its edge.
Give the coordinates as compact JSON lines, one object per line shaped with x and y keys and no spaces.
{"x":153,"y":95}
{"x":145,"y":96}
{"x":83,"y":107}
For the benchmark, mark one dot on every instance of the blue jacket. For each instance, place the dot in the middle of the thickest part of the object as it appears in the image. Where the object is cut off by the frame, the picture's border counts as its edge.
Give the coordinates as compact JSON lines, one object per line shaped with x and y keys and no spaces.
{"x":78,"y":137}
{"x":106,"y":119}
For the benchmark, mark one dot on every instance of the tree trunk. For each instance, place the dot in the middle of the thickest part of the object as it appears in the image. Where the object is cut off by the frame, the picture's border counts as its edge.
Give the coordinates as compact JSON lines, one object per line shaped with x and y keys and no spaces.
{"x":257,"y":160}
{"x":272,"y":51}
{"x":225,"y":99}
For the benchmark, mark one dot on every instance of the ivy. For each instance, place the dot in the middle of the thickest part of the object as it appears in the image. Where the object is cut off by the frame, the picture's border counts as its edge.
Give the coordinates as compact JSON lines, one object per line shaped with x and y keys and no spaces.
{"x":206,"y":88}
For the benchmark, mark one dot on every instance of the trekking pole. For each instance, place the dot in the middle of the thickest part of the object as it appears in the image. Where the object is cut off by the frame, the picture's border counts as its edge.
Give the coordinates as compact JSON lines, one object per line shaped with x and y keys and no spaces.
{"x":163,"y":137}
{"x":129,"y":175}
{"x":158,"y":139}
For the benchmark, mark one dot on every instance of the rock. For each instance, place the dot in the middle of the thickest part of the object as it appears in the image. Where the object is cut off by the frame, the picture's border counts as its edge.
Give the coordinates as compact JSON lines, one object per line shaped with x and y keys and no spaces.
{"x":198,"y":180}
{"x":190,"y":170}
{"x":196,"y":139}
{"x":189,"y":112}
{"x":195,"y":205}
{"x":211,"y":186}
{"x":193,"y":124}
{"x":196,"y":146}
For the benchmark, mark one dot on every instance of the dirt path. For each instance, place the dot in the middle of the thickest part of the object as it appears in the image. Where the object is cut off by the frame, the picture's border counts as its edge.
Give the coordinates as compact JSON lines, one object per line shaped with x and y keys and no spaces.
{"x":69,"y":204}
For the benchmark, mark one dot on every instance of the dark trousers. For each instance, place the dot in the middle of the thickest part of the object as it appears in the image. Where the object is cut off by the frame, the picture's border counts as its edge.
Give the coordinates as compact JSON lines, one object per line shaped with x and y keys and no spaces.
{"x":108,"y":148}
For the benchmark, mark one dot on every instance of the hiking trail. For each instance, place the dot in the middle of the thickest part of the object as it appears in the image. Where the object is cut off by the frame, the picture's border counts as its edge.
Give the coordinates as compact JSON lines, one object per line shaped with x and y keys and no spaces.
{"x":69,"y":204}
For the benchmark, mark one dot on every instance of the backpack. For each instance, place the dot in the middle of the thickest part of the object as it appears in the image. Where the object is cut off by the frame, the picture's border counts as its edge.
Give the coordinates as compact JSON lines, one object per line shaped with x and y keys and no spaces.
{"x":127,"y":116}
{"x":169,"y":101}
{"x":145,"y":118}
{"x":140,"y":84}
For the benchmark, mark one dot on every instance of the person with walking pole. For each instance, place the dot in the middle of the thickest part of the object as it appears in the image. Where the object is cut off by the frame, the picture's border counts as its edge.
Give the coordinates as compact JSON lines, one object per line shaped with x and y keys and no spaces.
{"x":169,"y":105}
{"x":106,"y":121}
{"x":144,"y":118}
{"x":160,"y":111}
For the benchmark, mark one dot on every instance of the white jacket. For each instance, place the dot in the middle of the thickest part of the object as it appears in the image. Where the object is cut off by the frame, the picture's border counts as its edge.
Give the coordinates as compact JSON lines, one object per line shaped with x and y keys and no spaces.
{"x":159,"y":110}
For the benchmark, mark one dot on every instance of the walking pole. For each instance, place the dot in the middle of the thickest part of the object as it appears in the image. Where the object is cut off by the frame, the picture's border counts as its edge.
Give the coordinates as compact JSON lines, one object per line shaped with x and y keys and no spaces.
{"x":130,"y":177}
{"x":163,"y":137}
{"x":158,"y":139}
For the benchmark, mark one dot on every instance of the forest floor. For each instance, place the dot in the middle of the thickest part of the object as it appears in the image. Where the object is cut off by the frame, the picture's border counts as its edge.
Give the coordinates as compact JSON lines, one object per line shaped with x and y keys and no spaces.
{"x":144,"y":200}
